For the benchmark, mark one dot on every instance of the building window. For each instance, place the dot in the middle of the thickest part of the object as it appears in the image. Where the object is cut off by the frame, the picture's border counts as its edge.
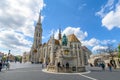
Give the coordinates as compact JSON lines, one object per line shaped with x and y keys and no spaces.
{"x":76,"y":53}
{"x":39,"y":34}
{"x":85,"y":59}
{"x":80,"y":58}
{"x":71,"y":45}
{"x":78,"y":46}
{"x":72,"y":53}
{"x":75,"y":46}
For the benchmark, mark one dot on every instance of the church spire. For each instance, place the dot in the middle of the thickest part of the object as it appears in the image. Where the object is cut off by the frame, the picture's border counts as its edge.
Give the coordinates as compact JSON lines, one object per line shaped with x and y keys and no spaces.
{"x":39,"y":19}
{"x":39,"y":24}
{"x":38,"y":33}
{"x":59,"y":35}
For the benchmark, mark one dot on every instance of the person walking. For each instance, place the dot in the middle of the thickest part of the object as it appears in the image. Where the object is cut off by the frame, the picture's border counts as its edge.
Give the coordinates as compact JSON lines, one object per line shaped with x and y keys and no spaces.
{"x":103,"y":66}
{"x":7,"y":66}
{"x":67,"y":66}
{"x":43,"y":65}
{"x":0,"y":66}
{"x":109,"y":66}
{"x":58,"y":66}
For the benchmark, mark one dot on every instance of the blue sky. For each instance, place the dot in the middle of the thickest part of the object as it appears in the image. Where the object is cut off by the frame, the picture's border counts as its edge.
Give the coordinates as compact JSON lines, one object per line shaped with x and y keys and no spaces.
{"x":94,"y":22}
{"x":82,"y":14}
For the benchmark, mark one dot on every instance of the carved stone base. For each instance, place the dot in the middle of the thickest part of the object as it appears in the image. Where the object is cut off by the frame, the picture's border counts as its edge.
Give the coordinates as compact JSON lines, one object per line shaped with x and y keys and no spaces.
{"x":52,"y":68}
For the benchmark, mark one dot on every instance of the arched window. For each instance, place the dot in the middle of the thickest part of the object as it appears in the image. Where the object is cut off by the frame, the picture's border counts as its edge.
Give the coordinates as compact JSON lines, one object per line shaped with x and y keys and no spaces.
{"x":78,"y":46}
{"x":71,"y":45}
{"x":75,"y":46}
{"x":80,"y":56}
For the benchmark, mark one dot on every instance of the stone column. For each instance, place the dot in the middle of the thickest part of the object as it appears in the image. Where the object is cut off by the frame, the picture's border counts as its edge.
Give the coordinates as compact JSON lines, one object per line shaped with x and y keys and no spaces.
{"x":52,"y":52}
{"x":74,"y":49}
{"x":51,"y":57}
{"x":45,"y":56}
{"x":78,"y":56}
{"x":82,"y":57}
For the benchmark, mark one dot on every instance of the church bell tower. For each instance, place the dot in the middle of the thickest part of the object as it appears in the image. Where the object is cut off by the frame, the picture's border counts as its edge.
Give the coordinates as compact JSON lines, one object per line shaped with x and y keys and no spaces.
{"x":37,"y":41}
{"x":38,"y":33}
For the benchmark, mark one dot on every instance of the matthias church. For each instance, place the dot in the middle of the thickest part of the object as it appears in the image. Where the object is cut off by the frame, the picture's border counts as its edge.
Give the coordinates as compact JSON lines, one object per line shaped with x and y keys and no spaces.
{"x":65,"y":49}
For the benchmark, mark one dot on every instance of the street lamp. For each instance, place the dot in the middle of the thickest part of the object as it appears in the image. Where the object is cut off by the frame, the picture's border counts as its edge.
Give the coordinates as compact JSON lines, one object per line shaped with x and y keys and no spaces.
{"x":8,"y":56}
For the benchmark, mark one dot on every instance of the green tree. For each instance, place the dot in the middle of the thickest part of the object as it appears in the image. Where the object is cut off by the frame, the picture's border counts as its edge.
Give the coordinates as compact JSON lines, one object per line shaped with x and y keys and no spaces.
{"x":4,"y":58}
{"x":110,"y":50}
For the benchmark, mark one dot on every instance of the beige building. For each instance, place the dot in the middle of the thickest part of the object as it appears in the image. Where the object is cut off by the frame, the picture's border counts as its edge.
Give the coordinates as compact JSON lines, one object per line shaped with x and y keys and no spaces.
{"x":25,"y":57}
{"x":105,"y":58}
{"x":64,"y":50}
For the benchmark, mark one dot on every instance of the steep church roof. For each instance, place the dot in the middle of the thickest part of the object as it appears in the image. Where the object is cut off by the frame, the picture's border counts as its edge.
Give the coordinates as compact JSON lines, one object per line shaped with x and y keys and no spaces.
{"x":72,"y":38}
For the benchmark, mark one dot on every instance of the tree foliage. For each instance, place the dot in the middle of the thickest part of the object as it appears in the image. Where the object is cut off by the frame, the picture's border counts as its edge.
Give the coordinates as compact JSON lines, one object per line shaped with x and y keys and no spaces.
{"x":110,"y":50}
{"x":4,"y":58}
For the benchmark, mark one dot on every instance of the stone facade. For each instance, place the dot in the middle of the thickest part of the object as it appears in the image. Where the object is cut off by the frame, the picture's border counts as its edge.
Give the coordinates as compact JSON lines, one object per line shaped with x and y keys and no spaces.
{"x":96,"y":60}
{"x":56,"y":53}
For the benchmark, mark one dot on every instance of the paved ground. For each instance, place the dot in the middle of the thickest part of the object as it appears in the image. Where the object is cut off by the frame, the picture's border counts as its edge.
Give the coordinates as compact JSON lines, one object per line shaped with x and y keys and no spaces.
{"x":29,"y":71}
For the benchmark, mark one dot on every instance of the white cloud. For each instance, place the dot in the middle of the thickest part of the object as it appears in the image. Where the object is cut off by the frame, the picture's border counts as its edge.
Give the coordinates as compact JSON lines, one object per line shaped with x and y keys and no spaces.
{"x":98,"y":47}
{"x":77,"y":31}
{"x":96,"y":44}
{"x":92,"y":42}
{"x":104,"y":42}
{"x":17,"y":23}
{"x":110,"y":14}
{"x":56,"y":33}
{"x":14,"y":41}
{"x":19,"y":15}
{"x":82,"y":6}
{"x":71,"y":30}
{"x":112,"y":19}
{"x":108,"y":6}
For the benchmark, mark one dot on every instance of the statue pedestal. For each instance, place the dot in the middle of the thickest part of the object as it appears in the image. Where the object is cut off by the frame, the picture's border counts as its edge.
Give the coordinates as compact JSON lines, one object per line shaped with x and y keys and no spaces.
{"x":65,"y":70}
{"x":51,"y":68}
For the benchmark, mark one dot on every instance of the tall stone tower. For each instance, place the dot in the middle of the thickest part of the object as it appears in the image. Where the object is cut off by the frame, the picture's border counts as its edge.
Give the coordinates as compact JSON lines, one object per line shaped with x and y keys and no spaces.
{"x":38,"y":33}
{"x":37,"y":41}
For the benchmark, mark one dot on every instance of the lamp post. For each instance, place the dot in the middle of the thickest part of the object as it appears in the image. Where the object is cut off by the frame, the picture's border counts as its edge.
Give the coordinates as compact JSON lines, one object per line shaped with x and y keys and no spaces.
{"x":8,"y":56}
{"x":9,"y":52}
